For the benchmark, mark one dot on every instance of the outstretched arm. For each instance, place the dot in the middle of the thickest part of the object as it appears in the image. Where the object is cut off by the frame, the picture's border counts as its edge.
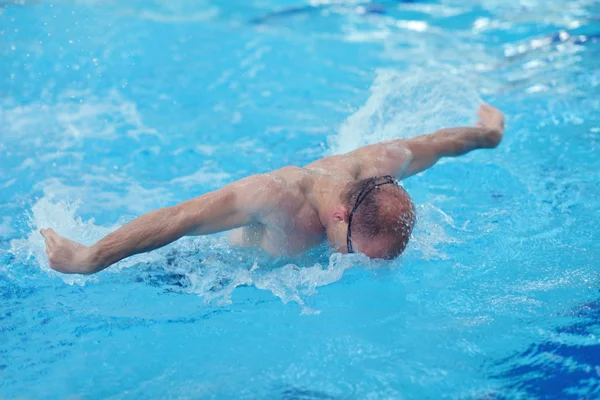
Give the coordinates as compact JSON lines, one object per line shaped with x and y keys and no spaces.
{"x":235,"y":205}
{"x":405,"y":157}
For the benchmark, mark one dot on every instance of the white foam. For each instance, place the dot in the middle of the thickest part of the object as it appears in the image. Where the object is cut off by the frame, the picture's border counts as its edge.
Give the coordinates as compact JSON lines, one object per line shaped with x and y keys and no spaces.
{"x":403,"y":105}
{"x":61,"y":217}
{"x":291,"y":283}
{"x":218,"y":276}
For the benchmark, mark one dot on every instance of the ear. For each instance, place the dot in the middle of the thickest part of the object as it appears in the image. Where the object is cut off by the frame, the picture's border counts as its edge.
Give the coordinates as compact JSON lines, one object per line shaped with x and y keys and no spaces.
{"x":340,"y":215}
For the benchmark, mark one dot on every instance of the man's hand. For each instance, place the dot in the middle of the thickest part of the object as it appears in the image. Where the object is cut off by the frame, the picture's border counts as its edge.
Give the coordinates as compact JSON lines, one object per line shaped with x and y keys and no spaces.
{"x":491,"y":118}
{"x":64,"y":255}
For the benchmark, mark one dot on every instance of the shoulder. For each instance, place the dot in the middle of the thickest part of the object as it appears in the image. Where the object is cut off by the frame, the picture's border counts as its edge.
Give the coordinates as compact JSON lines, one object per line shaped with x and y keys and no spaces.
{"x":260,"y":186}
{"x":344,"y":164}
{"x":262,"y":193}
{"x":397,"y":149}
{"x":386,"y":158}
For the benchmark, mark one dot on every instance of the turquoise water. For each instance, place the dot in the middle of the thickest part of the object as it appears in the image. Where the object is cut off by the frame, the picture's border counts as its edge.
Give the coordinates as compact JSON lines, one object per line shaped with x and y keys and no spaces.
{"x":111,"y":109}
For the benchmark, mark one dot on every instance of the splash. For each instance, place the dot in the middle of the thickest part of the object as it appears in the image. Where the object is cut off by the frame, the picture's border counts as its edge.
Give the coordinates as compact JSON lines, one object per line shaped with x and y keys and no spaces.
{"x":61,"y":216}
{"x":429,"y":232}
{"x":206,"y":266}
{"x":402,"y":105}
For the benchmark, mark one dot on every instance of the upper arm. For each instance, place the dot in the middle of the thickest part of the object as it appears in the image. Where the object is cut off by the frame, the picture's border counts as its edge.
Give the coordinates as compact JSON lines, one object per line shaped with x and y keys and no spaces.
{"x":405,"y":157}
{"x":426,"y":151}
{"x":237,"y":204}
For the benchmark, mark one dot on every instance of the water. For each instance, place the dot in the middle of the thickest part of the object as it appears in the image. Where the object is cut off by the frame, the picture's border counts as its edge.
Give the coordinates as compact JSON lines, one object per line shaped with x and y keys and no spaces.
{"x":110,"y":109}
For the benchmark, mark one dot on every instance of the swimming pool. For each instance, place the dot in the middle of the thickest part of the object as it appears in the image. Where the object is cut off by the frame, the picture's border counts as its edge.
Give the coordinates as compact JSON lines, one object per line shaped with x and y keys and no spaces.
{"x":110,"y":109}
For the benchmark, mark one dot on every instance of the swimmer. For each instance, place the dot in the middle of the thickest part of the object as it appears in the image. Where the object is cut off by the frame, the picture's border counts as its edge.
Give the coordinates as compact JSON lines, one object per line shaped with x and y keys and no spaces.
{"x":353,"y":201}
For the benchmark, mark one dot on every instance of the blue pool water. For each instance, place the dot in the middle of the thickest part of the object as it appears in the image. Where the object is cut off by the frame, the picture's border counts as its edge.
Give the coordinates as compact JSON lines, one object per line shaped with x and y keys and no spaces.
{"x":109,"y":109}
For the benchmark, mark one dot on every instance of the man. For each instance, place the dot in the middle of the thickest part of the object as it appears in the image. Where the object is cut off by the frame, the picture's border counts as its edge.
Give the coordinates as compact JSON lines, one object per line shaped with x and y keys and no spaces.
{"x":352,"y":200}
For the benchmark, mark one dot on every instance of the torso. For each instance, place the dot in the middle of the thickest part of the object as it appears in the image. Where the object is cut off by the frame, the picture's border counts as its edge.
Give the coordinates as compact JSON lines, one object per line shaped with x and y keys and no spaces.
{"x":294,"y":225}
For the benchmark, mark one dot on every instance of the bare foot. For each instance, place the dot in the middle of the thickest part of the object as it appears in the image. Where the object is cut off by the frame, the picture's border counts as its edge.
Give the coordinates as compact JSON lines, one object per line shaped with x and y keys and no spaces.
{"x":65,"y":255}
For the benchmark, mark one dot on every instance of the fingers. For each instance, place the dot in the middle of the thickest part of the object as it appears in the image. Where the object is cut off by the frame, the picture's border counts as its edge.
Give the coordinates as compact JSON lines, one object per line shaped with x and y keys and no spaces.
{"x":47,"y":233}
{"x":483,"y":114}
{"x":50,"y":239}
{"x":485,"y":110}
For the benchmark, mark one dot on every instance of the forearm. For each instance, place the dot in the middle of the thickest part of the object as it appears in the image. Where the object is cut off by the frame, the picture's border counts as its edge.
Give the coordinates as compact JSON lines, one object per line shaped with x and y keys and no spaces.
{"x":237,"y":204}
{"x":426,"y":150}
{"x":148,"y":232}
{"x":453,"y":142}
{"x":450,"y":142}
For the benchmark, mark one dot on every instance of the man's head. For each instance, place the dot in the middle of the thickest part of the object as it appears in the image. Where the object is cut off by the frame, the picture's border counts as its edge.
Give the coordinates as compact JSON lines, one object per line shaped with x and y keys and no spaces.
{"x":375,"y":216}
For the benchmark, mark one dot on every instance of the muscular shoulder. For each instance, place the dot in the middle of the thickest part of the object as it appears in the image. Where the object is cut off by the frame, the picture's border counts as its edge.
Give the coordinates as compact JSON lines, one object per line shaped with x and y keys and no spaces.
{"x":345,"y":164}
{"x":264,"y":193}
{"x":260,"y":189}
{"x":386,"y":158}
{"x":396,"y":148}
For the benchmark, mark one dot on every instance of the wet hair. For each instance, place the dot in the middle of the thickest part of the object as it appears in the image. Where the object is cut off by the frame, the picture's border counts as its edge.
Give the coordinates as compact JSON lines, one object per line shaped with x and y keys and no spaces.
{"x":379,"y":209}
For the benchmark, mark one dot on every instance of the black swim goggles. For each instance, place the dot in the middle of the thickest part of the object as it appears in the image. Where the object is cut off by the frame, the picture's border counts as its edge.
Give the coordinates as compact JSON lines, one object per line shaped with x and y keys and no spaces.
{"x":368,"y":186}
